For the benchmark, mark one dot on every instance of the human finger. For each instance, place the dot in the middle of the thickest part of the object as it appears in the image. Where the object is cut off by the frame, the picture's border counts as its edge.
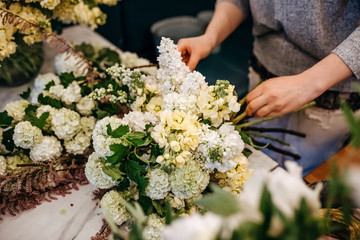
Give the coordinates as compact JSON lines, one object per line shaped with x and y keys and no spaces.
{"x":255,"y":104}
{"x":193,"y":61}
{"x":257,"y":92}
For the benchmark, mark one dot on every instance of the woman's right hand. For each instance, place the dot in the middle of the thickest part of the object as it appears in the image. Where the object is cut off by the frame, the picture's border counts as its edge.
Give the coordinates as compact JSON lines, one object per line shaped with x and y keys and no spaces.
{"x":194,"y":49}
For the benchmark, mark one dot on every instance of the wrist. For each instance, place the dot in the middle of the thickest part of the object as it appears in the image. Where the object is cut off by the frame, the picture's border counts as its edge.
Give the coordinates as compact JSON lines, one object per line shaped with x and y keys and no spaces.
{"x":211,"y":39}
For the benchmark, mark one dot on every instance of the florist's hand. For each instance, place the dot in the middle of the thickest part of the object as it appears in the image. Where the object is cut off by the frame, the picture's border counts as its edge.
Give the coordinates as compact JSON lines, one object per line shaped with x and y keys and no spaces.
{"x":194,"y":49}
{"x":281,"y":95}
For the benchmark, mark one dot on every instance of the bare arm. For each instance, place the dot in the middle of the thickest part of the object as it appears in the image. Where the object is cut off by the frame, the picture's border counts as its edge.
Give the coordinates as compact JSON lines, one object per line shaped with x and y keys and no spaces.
{"x":282,"y":95}
{"x":227,"y":17}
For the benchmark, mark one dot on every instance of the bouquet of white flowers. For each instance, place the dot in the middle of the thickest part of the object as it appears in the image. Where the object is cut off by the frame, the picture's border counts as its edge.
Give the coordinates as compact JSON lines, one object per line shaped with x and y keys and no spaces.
{"x":46,"y":138}
{"x":176,"y":141}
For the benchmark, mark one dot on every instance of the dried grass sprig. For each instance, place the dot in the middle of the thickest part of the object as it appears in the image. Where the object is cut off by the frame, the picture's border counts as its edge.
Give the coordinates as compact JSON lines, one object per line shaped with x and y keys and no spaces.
{"x":33,"y":184}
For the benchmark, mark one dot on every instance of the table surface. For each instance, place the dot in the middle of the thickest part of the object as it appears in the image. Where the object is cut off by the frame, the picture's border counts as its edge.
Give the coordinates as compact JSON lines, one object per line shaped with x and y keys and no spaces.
{"x":75,"y":216}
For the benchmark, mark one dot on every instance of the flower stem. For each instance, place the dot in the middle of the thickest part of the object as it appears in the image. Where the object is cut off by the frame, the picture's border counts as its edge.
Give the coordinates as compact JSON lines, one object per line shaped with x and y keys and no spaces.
{"x":239,"y":118}
{"x":260,"y":120}
{"x":265,"y":136}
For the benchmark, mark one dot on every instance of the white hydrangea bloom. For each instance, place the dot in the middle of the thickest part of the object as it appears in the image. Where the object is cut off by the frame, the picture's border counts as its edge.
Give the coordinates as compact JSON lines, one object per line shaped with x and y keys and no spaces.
{"x":95,"y":174}
{"x":26,"y":135}
{"x":65,"y":123}
{"x":193,"y":83}
{"x":153,"y":228}
{"x":49,"y":149}
{"x":131,"y":60}
{"x":46,"y":108}
{"x":87,"y":125}
{"x":13,"y":161}
{"x":2,"y":165}
{"x":137,"y":121}
{"x":101,"y":140}
{"x":188,"y":181}
{"x":16,"y":109}
{"x":40,"y":83}
{"x":49,"y":4}
{"x":85,"y":106}
{"x":71,"y":94}
{"x":66,"y":62}
{"x":182,"y":102}
{"x":56,"y":91}
{"x":195,"y":226}
{"x":221,"y":147}
{"x":113,"y":207}
{"x":175,"y":202}
{"x":172,"y":70}
{"x":159,"y":184}
{"x":78,"y":144}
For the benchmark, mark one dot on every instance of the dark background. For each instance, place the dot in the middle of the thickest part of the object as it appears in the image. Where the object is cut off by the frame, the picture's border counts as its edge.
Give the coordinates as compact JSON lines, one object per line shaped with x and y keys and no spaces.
{"x":128,"y":27}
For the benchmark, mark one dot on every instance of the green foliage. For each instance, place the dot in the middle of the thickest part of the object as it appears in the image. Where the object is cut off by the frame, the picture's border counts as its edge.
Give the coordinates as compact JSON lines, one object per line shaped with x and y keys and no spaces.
{"x":354,"y":124}
{"x":248,"y":139}
{"x":49,"y":101}
{"x":215,"y":202}
{"x":100,"y":114}
{"x":87,"y":49}
{"x":247,"y":152}
{"x":68,"y":77}
{"x":120,"y":151}
{"x":30,"y":115}
{"x":5,"y":119}
{"x":26,"y":94}
{"x":136,"y":173}
{"x":138,"y":139}
{"x":118,"y":132}
{"x":49,"y":85}
{"x":123,"y":185}
{"x":8,"y":139}
{"x":108,"y":57}
{"x":114,"y":172}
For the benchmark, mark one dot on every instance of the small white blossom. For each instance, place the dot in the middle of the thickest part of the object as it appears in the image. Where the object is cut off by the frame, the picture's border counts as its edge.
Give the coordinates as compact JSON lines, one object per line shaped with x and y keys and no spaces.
{"x":66,"y":62}
{"x":49,"y":149}
{"x":85,"y":106}
{"x":195,"y":226}
{"x":71,"y":94}
{"x":137,"y":121}
{"x":2,"y":165}
{"x":153,"y":228}
{"x":193,"y":83}
{"x":40,"y":83}
{"x":182,"y":102}
{"x":159,"y":184}
{"x":27,"y":135}
{"x":65,"y":123}
{"x":188,"y":181}
{"x":221,"y":147}
{"x":78,"y":144}
{"x":113,"y":207}
{"x":16,"y":109}
{"x":95,"y":174}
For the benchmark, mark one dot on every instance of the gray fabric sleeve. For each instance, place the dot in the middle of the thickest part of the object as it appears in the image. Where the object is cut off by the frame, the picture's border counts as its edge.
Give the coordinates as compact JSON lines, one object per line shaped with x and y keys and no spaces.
{"x":349,"y":51}
{"x":242,"y":4}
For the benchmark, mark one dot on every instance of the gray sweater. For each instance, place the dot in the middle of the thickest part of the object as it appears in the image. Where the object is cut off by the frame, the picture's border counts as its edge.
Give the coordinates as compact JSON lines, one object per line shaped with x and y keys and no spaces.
{"x":292,"y":35}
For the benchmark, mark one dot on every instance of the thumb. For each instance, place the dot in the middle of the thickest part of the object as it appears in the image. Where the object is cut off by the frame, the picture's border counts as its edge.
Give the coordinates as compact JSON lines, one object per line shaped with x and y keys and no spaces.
{"x":193,"y":61}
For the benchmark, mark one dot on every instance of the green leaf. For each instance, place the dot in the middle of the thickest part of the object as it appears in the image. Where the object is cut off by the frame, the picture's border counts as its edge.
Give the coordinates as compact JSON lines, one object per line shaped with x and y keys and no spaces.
{"x":354,"y":124}
{"x":114,"y":172}
{"x":136,"y":172}
{"x":49,"y":101}
{"x":123,"y":185}
{"x":249,"y":141}
{"x":87,"y":49}
{"x":49,"y":85}
{"x":8,"y":139}
{"x":41,"y":121}
{"x":90,"y":3}
{"x":120,"y":151}
{"x":5,"y":119}
{"x":159,"y":209}
{"x":67,"y":78}
{"x":205,"y":121}
{"x":155,"y":152}
{"x":216,"y":202}
{"x":100,"y":114}
{"x":247,"y":152}
{"x":137,"y":139}
{"x":108,"y":57}
{"x":26,"y":94}
{"x":118,"y":132}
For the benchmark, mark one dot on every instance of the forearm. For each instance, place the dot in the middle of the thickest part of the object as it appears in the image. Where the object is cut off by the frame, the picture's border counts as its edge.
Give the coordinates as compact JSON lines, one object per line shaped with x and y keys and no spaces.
{"x":227,"y":17}
{"x":326,"y":73}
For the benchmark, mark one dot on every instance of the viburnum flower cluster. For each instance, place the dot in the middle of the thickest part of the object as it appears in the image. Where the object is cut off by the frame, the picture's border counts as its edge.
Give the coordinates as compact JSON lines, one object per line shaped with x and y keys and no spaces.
{"x":42,"y":13}
{"x":58,"y":117}
{"x":175,"y":141}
